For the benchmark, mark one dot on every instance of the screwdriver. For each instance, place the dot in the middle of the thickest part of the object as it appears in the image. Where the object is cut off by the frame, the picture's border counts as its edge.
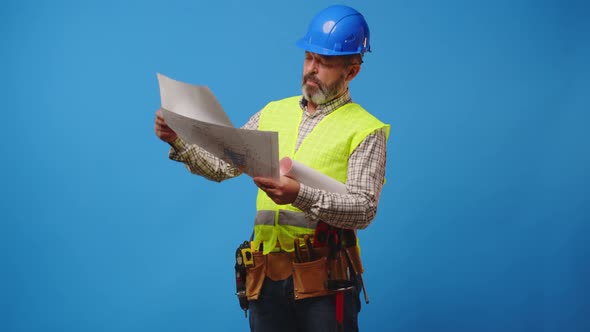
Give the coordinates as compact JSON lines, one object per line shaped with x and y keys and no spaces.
{"x":309,"y":247}
{"x":297,"y":250}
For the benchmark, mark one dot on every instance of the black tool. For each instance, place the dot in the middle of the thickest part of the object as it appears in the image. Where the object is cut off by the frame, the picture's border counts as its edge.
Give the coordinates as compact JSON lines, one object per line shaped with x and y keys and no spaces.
{"x":242,"y":260}
{"x":298,"y":258}
{"x":310,"y":251}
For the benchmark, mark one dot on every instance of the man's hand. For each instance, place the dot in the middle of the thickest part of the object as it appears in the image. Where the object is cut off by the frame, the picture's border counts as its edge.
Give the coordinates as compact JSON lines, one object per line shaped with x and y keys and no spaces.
{"x":283,"y":191}
{"x":162,"y":130}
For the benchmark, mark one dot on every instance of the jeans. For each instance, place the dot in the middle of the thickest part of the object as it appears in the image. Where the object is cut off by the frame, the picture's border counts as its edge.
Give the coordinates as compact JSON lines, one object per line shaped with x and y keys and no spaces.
{"x":277,"y":311}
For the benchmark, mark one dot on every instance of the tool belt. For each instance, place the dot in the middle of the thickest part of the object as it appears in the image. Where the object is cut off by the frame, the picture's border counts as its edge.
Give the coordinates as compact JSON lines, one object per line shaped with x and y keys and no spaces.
{"x":320,"y":272}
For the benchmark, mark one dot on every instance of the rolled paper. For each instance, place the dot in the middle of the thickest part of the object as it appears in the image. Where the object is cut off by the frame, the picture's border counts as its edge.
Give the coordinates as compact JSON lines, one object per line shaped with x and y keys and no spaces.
{"x":310,"y":177}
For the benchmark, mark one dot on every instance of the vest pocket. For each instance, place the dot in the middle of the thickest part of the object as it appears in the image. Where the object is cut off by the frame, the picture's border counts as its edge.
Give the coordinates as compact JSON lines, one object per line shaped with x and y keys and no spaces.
{"x":309,"y":279}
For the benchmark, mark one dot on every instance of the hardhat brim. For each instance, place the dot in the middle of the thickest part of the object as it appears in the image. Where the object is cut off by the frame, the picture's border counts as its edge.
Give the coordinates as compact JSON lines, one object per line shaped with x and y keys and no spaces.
{"x":302,"y":43}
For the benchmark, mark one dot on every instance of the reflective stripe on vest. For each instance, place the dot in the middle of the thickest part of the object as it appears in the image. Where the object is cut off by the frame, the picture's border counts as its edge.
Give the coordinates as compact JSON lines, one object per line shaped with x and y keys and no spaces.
{"x":326,"y":149}
{"x":290,"y":218}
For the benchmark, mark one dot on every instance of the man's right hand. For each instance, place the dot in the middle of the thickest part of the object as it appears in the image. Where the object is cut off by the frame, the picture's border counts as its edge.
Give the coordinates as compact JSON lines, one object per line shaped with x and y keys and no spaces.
{"x":162,"y":130}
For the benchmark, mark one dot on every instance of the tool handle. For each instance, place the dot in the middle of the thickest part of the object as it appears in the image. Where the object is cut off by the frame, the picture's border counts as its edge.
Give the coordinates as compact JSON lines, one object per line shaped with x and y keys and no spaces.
{"x":297,"y":250}
{"x":310,"y":251}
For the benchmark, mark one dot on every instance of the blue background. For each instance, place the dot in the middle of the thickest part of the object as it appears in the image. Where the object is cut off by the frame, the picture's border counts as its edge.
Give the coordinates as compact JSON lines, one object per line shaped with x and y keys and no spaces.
{"x":482,"y":226}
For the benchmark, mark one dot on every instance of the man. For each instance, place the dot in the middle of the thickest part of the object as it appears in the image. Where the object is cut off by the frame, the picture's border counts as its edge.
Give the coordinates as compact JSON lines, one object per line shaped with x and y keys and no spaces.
{"x":325,"y":130}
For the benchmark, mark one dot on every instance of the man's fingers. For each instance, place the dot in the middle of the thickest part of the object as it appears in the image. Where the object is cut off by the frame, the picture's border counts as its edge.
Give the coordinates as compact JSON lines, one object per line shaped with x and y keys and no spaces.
{"x":264,"y":183}
{"x":161,"y":128}
{"x":161,"y":123}
{"x":160,"y":120}
{"x":160,"y":116}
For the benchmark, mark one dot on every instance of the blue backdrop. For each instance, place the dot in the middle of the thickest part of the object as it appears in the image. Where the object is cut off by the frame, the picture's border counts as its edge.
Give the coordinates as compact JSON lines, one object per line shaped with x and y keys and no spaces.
{"x":482,"y":226}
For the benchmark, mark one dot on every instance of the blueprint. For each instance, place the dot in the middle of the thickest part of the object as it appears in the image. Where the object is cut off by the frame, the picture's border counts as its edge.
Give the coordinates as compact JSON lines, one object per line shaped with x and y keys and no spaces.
{"x":194,"y":113}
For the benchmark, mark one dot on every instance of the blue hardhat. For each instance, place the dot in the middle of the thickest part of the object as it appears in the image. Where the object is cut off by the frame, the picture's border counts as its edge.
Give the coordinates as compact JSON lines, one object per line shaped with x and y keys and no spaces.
{"x":337,"y":30}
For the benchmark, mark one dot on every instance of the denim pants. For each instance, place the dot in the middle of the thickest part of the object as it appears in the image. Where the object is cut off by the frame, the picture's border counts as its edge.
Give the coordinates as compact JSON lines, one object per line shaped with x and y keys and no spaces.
{"x":277,"y":311}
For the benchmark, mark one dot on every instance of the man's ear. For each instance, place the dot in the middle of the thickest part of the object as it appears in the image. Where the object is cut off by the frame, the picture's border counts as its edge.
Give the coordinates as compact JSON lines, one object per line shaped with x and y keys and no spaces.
{"x":353,"y":71}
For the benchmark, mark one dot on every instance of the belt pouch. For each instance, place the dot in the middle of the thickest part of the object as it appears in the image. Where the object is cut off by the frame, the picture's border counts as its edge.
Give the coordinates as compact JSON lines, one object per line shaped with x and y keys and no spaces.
{"x":309,"y":279}
{"x":279,"y":266}
{"x":338,"y":267}
{"x":255,"y":277}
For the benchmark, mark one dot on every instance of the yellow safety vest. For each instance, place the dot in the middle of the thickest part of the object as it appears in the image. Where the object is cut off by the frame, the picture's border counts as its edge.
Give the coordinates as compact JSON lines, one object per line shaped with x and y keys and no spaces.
{"x":326,"y":149}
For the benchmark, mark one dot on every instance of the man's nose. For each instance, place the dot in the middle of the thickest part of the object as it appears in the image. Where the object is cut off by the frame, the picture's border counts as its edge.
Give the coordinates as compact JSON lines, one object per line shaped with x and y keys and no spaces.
{"x":313,"y":66}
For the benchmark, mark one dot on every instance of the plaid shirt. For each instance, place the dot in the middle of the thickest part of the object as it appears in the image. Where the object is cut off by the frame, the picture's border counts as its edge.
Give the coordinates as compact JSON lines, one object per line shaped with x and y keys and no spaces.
{"x":365,"y":176}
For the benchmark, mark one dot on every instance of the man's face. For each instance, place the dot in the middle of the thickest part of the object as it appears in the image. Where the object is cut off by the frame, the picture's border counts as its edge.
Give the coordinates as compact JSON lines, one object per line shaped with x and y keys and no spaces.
{"x":324,"y":77}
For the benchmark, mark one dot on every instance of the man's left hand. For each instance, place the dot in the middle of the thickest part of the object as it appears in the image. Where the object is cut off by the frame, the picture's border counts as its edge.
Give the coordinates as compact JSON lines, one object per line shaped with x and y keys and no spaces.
{"x":282,"y":191}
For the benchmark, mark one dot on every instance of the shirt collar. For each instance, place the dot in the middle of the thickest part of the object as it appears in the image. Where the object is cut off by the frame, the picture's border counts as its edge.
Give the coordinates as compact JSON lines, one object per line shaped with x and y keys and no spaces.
{"x":328,"y":107}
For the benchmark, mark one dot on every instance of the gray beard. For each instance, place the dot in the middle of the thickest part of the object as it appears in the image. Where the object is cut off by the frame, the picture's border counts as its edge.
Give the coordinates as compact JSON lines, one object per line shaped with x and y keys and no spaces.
{"x":323,"y":93}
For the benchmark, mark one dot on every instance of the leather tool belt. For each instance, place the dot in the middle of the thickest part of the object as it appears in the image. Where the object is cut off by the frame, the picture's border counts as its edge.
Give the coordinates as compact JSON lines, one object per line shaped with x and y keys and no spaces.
{"x":323,"y":272}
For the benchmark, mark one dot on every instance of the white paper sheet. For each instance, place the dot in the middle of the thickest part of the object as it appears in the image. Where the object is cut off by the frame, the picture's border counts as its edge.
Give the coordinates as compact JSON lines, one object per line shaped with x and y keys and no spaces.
{"x":192,"y":101}
{"x":195,"y":115}
{"x":310,"y":177}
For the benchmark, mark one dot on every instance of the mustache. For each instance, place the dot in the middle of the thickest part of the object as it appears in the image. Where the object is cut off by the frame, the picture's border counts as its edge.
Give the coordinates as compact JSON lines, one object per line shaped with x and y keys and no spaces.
{"x":311,"y":77}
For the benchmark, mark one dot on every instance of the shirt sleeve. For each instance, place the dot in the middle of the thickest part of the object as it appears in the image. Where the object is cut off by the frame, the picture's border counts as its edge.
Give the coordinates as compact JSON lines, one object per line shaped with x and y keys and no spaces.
{"x":200,"y":162}
{"x":365,"y":178}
